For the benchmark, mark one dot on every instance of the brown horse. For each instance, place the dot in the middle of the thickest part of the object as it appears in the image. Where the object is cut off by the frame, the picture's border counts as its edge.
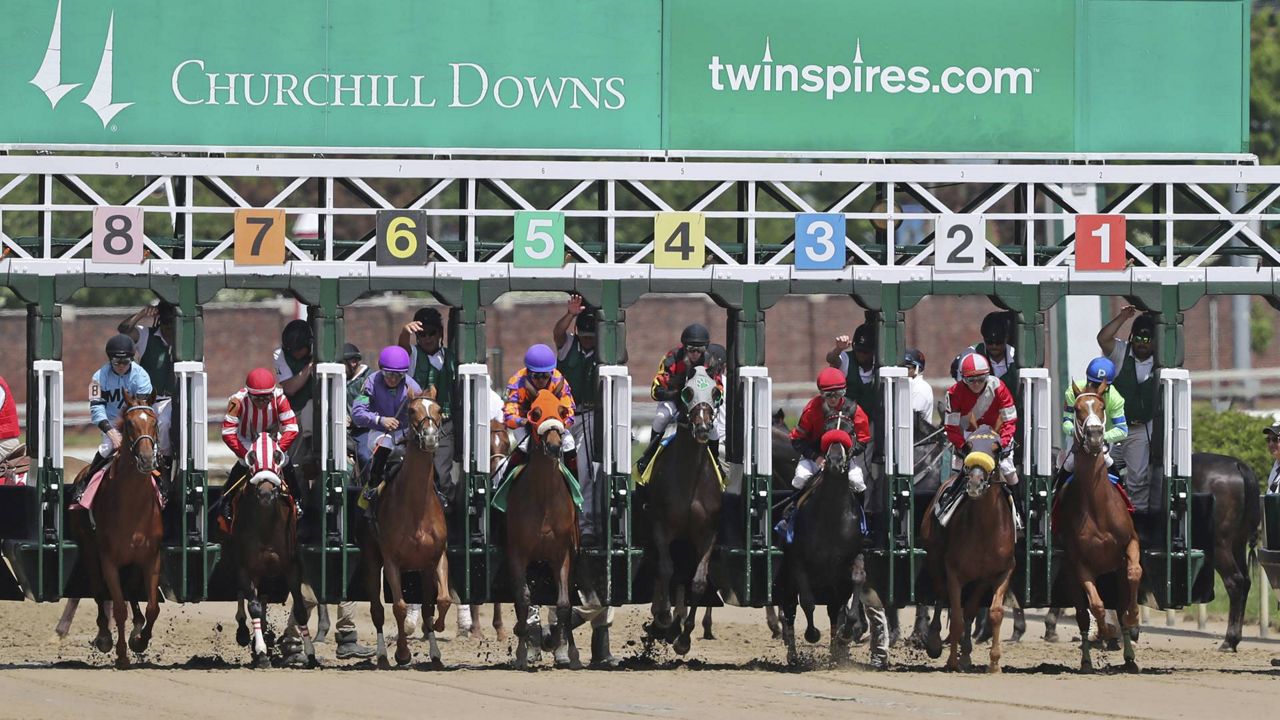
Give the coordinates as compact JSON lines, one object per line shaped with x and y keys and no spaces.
{"x":409,"y":535}
{"x":263,"y":544}
{"x":542,"y":525}
{"x":684,"y":498}
{"x":125,"y":529}
{"x":974,"y":551}
{"x":1097,"y":535}
{"x":499,"y":449}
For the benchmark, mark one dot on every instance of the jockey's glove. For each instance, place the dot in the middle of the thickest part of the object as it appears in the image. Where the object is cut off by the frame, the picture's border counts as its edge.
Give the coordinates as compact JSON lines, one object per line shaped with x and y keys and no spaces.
{"x":662,"y":394}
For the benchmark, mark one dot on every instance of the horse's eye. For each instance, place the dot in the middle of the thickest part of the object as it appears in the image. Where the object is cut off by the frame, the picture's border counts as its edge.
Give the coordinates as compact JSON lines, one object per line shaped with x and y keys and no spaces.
{"x":536,"y":414}
{"x":564,"y":412}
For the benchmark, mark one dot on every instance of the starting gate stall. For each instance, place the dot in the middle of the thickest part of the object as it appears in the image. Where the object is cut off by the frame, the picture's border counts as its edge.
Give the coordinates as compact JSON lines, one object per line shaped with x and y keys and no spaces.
{"x":894,"y":559}
{"x":189,"y":562}
{"x":473,"y":557}
{"x":328,"y":546}
{"x":747,"y":554}
{"x":620,"y":555}
{"x":1170,"y":570}
{"x":1034,"y":577}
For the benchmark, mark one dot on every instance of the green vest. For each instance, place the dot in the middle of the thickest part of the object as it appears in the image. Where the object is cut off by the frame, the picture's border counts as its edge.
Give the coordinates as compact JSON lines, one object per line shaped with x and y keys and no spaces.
{"x":582,"y":372}
{"x":158,"y":362}
{"x":354,"y":385}
{"x":866,"y":395}
{"x":298,"y":401}
{"x":426,"y":375}
{"x":1139,"y":398}
{"x":1010,"y":377}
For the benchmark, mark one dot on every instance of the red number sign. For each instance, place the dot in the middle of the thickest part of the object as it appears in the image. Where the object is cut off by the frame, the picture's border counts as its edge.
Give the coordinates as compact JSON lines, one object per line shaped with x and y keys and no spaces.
{"x":1100,"y":242}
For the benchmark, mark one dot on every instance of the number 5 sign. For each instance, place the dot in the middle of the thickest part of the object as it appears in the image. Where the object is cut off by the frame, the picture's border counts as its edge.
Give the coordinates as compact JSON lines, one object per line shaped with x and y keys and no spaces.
{"x":1100,"y":242}
{"x":539,"y":239}
{"x":117,"y":235}
{"x":960,"y":242}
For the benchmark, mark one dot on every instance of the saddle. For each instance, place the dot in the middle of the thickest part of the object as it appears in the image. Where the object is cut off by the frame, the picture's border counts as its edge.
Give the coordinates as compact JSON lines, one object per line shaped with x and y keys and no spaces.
{"x":15,"y":467}
{"x":91,"y":490}
{"x":504,"y":486}
{"x":670,"y":435}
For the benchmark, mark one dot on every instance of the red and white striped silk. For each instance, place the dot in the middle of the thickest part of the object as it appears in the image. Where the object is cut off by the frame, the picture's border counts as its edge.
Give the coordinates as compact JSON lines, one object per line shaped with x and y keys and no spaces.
{"x":245,"y":420}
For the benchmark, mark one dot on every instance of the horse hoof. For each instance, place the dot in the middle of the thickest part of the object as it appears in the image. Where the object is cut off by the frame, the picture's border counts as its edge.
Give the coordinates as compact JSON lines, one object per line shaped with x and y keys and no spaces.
{"x":1130,"y":667}
{"x":122,"y":663}
{"x":682,"y":645}
{"x":1226,"y":647}
{"x":708,"y":635}
{"x":1112,"y":644}
{"x":1051,"y":637}
{"x":476,"y":633}
{"x":138,"y":644}
{"x":383,"y":663}
{"x":102,"y":643}
{"x":242,"y":636}
{"x":262,"y":661}
{"x":405,"y":658}
{"x":994,"y":669}
{"x":953,"y":666}
{"x":501,"y":634}
{"x":1086,"y":669}
{"x":933,"y":646}
{"x":776,"y":634}
{"x":437,"y":663}
{"x":812,"y":635}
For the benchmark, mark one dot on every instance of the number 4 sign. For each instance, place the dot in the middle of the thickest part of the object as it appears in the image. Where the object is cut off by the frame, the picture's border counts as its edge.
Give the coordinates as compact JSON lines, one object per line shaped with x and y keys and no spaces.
{"x":679,"y":240}
{"x":1100,"y":242}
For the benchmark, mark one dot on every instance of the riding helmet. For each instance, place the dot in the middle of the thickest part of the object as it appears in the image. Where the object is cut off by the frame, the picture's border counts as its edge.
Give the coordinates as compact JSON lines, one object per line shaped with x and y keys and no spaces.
{"x":864,"y":338}
{"x":1101,"y":370}
{"x":297,"y":334}
{"x":260,"y":382}
{"x":695,"y":334}
{"x":351,"y":352}
{"x":831,"y":379}
{"x":974,"y":366}
{"x":914,"y":357}
{"x":393,"y":358}
{"x":120,"y":346}
{"x":540,"y":358}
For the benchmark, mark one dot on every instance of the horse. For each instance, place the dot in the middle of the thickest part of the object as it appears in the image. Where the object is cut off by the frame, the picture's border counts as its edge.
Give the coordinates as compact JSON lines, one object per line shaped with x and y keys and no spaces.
{"x":499,"y":449}
{"x":827,"y":543}
{"x":684,"y":500}
{"x":408,"y":534}
{"x":125,"y":529}
{"x":542,"y":525}
{"x":263,"y":544}
{"x":1098,"y":536}
{"x":785,"y":459}
{"x":975,"y":550}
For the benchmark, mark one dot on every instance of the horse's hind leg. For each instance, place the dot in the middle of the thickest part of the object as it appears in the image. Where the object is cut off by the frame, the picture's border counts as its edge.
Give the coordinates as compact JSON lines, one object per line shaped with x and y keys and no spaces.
{"x":401,"y":611}
{"x":373,"y":585}
{"x":68,"y":614}
{"x":566,"y":653}
{"x":520,"y":588}
{"x":499,"y":630}
{"x":119,"y":610}
{"x":706,"y":625}
{"x":430,"y":605}
{"x":996,"y":616}
{"x":789,"y":624}
{"x":957,"y":621}
{"x":698,"y":591}
{"x":661,"y":606}
{"x":138,"y":622}
{"x":770,"y":619}
{"x":1236,"y":581}
{"x":301,"y":614}
{"x":1051,"y":624}
{"x":242,"y":629}
{"x":103,"y":640}
{"x":933,"y":636}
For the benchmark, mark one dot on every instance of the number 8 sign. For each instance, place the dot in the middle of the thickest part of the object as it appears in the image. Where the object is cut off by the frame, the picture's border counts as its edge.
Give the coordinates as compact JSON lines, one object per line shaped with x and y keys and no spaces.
{"x":820,"y":241}
{"x":117,"y":235}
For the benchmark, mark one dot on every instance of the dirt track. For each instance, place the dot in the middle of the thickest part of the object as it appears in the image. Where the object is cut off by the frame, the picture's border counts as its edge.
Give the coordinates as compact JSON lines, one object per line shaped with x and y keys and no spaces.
{"x":194,"y":670}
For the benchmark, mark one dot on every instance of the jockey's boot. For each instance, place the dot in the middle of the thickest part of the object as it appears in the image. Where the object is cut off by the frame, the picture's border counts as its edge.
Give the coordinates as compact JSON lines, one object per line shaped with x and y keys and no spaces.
{"x":647,"y":456}
{"x":82,"y":484}
{"x":377,"y":475}
{"x":350,"y":647}
{"x":570,"y":460}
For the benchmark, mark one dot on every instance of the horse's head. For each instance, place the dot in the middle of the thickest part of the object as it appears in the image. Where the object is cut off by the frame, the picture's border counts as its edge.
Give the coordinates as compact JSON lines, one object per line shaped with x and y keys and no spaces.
{"x":980,"y":463}
{"x":836,"y":447}
{"x":1090,"y":422}
{"x":139,"y":427}
{"x":425,"y":420}
{"x":266,"y":469}
{"x":546,"y":420}
{"x":700,"y":398}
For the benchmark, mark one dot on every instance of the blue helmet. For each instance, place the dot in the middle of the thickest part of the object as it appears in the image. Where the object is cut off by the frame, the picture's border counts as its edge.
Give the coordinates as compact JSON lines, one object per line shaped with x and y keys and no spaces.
{"x":540,"y":358}
{"x":1101,"y":370}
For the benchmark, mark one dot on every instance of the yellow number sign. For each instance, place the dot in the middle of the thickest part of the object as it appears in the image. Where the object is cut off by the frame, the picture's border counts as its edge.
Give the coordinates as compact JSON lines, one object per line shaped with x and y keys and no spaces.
{"x":679,"y":240}
{"x":259,"y":237}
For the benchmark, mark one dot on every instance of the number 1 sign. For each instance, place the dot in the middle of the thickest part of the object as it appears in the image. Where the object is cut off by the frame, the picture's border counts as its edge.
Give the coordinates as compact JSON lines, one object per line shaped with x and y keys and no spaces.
{"x":1100,"y":242}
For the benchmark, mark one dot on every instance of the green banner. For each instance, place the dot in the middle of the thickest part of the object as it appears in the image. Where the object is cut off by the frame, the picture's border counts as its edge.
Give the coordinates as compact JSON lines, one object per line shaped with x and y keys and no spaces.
{"x":685,"y":75}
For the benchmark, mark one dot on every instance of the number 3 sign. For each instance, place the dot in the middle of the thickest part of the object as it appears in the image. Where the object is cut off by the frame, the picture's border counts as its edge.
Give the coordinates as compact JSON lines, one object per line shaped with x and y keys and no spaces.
{"x":1100,"y":242}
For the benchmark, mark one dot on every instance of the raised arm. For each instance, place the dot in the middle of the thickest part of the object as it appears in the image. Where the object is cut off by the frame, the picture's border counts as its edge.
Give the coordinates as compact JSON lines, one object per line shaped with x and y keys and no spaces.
{"x":1107,"y":335}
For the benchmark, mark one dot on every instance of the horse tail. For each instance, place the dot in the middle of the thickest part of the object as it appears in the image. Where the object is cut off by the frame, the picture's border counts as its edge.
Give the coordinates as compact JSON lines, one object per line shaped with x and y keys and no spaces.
{"x":1252,"y":509}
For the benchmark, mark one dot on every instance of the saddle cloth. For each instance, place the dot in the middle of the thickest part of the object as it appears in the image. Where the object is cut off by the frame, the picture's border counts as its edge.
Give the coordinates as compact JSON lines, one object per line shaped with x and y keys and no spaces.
{"x":1057,"y":499}
{"x":504,"y":488}
{"x":91,"y":492}
{"x":647,"y":475}
{"x":943,"y":511}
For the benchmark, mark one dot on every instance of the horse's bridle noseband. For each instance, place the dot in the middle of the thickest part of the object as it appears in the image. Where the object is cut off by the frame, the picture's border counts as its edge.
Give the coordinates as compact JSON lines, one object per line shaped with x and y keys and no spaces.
{"x":133,"y":446}
{"x":1082,"y":426}
{"x":421,"y":430}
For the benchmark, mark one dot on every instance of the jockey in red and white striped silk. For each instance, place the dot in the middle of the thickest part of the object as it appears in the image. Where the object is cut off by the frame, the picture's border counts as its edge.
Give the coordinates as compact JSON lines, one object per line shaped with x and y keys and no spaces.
{"x":258,"y":407}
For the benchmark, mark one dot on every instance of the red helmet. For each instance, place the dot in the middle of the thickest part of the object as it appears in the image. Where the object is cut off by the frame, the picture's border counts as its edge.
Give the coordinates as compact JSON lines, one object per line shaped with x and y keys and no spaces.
{"x":830,"y":379}
{"x":974,"y":366}
{"x":260,"y":382}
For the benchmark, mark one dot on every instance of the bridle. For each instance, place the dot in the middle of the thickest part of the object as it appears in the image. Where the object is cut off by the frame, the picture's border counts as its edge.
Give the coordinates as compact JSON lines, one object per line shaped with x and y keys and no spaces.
{"x":1092,"y":420}
{"x":145,"y":464}
{"x":426,"y":433}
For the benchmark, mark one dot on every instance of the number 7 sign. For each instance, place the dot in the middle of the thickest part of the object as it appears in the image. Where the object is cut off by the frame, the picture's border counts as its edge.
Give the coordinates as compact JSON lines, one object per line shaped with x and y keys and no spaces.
{"x":1100,"y":242}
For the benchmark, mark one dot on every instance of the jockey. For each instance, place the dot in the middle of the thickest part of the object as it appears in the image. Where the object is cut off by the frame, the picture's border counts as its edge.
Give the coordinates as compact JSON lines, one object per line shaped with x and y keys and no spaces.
{"x":383,"y":409}
{"x":1101,"y":370}
{"x":106,"y":396}
{"x":10,"y":434}
{"x":539,"y":373}
{"x":256,"y":408}
{"x":674,"y":370}
{"x":806,"y":438}
{"x":982,"y":399}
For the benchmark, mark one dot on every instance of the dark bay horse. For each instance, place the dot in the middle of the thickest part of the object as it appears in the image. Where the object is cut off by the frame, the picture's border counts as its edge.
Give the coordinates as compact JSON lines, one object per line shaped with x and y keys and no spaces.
{"x":974,"y":552}
{"x":499,"y":449}
{"x":828,"y":540}
{"x":542,"y":526}
{"x":409,"y":535}
{"x":1096,"y":531}
{"x":125,"y":529}
{"x":1237,"y":514}
{"x":263,"y":545}
{"x":684,"y":500}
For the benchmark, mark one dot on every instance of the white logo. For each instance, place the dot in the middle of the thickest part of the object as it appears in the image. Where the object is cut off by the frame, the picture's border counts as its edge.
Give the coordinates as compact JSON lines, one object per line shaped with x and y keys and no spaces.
{"x":49,"y":77}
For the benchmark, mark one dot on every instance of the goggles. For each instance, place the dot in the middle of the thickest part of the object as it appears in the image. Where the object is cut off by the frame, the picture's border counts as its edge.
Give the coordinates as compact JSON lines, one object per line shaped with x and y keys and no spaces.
{"x":695,"y":348}
{"x":832,"y":394}
{"x":539,"y":376}
{"x":121,"y":360}
{"x":393,"y":374}
{"x":260,"y":398}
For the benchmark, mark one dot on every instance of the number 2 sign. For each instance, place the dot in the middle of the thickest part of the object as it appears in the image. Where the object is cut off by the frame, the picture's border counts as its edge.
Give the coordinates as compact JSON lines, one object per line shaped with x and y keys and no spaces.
{"x":960,"y":242}
{"x":1100,"y":242}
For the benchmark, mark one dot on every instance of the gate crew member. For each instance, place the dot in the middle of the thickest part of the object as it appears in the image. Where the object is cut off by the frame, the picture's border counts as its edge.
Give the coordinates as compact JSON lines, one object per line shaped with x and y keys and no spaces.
{"x":579,"y":363}
{"x":152,"y":331}
{"x":984,"y":398}
{"x":106,"y":397}
{"x":1273,"y":449}
{"x":1135,"y":380}
{"x":856,"y":357}
{"x":431,"y":364}
{"x":674,"y":370}
{"x":539,"y":373}
{"x":296,"y":372}
{"x":356,"y":373}
{"x":9,"y":432}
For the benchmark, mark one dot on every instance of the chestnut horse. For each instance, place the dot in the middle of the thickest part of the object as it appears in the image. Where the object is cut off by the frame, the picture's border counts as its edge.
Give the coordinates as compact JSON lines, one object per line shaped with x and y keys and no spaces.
{"x":408,"y":535}
{"x":542,"y":525}
{"x":264,"y":544}
{"x":125,"y":529}
{"x":974,"y":551}
{"x":684,"y":497}
{"x":1096,"y":531}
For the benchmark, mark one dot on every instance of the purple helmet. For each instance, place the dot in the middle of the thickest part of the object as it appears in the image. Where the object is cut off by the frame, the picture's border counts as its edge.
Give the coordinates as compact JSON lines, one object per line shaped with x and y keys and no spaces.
{"x":394,"y":358}
{"x":540,"y":358}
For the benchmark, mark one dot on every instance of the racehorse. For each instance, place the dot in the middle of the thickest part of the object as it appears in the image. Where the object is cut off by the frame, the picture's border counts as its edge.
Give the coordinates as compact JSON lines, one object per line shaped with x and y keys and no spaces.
{"x":408,"y":534}
{"x":125,"y":529}
{"x":827,"y":542}
{"x":1097,"y":532}
{"x":542,"y":525}
{"x":499,"y":449}
{"x":263,"y":544}
{"x":975,"y":550}
{"x":684,"y":500}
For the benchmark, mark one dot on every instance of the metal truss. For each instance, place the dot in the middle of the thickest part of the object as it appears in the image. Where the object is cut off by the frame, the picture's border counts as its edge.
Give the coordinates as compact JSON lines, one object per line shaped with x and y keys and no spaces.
{"x":1178,"y":219}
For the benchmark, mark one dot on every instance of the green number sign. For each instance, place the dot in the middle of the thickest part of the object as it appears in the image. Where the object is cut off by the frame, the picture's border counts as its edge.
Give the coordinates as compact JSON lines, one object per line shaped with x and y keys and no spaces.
{"x":539,"y":239}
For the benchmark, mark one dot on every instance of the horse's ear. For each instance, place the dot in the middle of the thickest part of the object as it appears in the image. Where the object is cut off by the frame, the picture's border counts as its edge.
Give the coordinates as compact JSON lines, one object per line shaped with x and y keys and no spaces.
{"x":251,"y":458}
{"x":429,"y":393}
{"x":1075,"y":389}
{"x":151,"y":399}
{"x":564,"y":412}
{"x":128,"y":398}
{"x":535,"y":414}
{"x":1102,"y":387}
{"x":279,"y":456}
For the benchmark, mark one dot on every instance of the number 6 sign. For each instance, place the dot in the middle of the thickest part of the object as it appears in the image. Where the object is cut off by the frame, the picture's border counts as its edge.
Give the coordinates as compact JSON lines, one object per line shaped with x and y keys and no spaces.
{"x":1100,"y":242}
